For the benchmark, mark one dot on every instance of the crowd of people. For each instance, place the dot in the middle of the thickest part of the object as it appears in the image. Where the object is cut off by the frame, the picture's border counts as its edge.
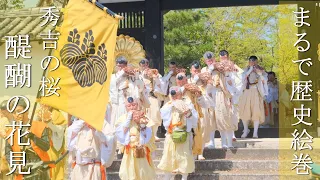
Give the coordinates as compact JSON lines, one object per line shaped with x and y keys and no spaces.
{"x":191,"y":109}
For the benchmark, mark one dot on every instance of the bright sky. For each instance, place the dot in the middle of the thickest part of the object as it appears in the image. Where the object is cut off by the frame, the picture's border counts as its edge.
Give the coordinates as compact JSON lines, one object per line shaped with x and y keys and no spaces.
{"x":30,"y":3}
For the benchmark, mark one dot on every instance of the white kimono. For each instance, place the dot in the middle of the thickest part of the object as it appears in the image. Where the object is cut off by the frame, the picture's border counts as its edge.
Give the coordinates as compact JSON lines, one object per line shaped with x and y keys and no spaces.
{"x":177,"y":156}
{"x":91,"y":151}
{"x":122,"y":87}
{"x":132,"y":167}
{"x":251,"y":105}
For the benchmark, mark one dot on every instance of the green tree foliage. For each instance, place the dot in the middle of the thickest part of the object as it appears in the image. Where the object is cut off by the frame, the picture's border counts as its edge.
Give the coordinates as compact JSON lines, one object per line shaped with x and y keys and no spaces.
{"x":286,"y":38}
{"x":11,"y":4}
{"x":243,"y":31}
{"x":186,"y":37}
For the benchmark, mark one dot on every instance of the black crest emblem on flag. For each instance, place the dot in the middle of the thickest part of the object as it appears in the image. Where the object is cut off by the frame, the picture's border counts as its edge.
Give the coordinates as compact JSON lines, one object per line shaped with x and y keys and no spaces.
{"x":87,"y":66}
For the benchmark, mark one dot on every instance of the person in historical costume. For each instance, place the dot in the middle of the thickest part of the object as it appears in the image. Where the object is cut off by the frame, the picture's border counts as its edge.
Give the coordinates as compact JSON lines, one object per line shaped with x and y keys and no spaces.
{"x":151,"y":79}
{"x":179,"y":118}
{"x":224,"y":109}
{"x":56,"y":123}
{"x":36,"y":154}
{"x":125,"y":83}
{"x":207,"y":120}
{"x":272,"y":99}
{"x":168,"y":80}
{"x":4,"y":120}
{"x":192,"y":93}
{"x":254,"y":90}
{"x":210,"y":61}
{"x":195,"y":70}
{"x":91,"y":151}
{"x":134,"y":132}
{"x":234,"y":83}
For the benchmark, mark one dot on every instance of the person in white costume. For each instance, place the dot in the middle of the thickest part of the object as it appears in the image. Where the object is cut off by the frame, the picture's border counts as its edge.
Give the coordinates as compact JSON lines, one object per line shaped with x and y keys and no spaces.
{"x":167,"y":81}
{"x":124,"y":83}
{"x":254,"y":90}
{"x":210,"y":61}
{"x":134,"y":132}
{"x":193,"y":94}
{"x":91,"y":151}
{"x":234,"y":84}
{"x":151,"y":79}
{"x":179,"y":118}
{"x":207,"y":119}
{"x":272,"y":99}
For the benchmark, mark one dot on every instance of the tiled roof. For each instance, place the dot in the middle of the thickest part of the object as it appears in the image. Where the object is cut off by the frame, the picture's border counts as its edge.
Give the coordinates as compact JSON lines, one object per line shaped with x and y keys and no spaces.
{"x":23,"y":22}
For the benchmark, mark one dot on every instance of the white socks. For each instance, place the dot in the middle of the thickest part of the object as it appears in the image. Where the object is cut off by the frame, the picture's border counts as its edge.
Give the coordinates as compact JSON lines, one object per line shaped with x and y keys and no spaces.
{"x":184,"y":176}
{"x":223,"y":135}
{"x":255,"y":129}
{"x":226,"y":139}
{"x":229,"y":138}
{"x":211,"y":144}
{"x":245,"y":129}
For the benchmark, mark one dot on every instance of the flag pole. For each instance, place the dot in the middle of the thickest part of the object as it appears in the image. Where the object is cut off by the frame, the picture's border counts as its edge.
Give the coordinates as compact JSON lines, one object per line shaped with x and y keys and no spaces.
{"x":102,"y":7}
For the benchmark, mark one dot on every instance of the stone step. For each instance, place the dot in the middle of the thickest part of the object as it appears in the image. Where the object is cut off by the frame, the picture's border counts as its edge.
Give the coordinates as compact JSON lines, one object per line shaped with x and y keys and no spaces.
{"x":263,"y":143}
{"x":239,"y":143}
{"x":221,"y":165}
{"x":263,"y":132}
{"x":229,"y":175}
{"x":248,"y":154}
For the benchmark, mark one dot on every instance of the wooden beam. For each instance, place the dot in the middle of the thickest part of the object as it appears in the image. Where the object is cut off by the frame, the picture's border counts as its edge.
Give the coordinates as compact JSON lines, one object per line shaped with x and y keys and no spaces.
{"x":192,"y":4}
{"x":125,"y":6}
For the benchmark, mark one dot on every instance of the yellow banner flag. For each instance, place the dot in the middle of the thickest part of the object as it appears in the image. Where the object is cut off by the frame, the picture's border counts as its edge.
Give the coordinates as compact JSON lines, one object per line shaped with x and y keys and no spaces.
{"x":85,"y":50}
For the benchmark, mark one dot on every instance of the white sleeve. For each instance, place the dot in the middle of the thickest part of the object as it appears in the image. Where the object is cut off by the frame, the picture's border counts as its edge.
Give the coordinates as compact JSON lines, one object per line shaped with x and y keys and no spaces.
{"x":211,"y":68}
{"x":72,"y":132}
{"x":145,"y":136}
{"x":231,"y":88}
{"x":192,"y":122}
{"x":128,"y":120}
{"x":108,"y":150}
{"x":195,"y":79}
{"x":165,"y":113}
{"x":122,"y":137}
{"x":162,"y":86}
{"x":167,"y":77}
{"x":119,"y":76}
{"x":248,"y":72}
